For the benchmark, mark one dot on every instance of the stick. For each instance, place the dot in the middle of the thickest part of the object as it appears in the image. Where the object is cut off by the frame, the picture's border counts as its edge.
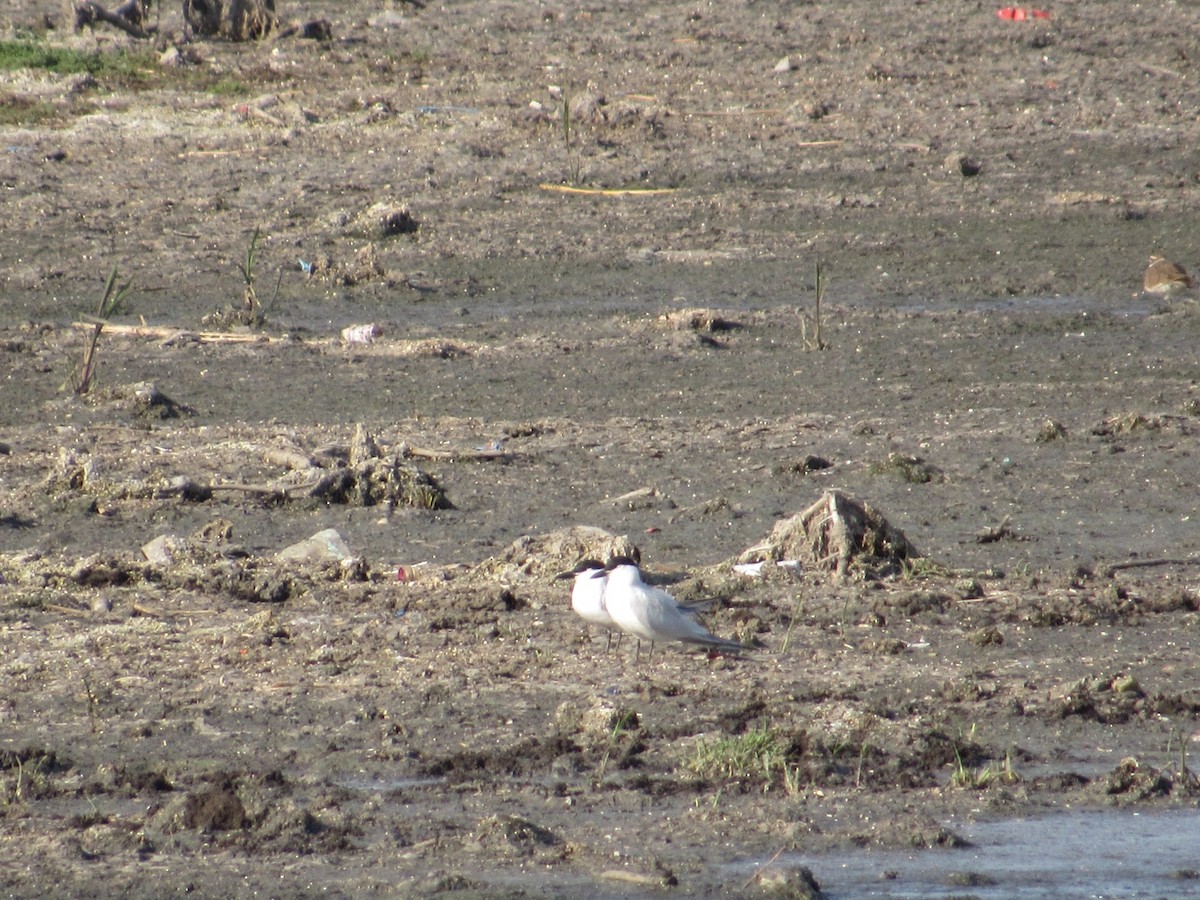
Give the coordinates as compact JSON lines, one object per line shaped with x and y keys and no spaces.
{"x":770,"y":862}
{"x":141,"y":609}
{"x":1157,"y":70}
{"x":630,"y":877}
{"x":607,"y":192}
{"x":1147,"y":563}
{"x":88,"y":12}
{"x":455,"y":454}
{"x":69,"y":610}
{"x":739,"y":112}
{"x":168,"y":332}
{"x":188,"y":153}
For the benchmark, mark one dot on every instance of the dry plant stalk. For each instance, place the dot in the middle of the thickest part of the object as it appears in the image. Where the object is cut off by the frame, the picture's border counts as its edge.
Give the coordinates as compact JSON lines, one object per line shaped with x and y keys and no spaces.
{"x":817,"y":342}
{"x":114,"y":294}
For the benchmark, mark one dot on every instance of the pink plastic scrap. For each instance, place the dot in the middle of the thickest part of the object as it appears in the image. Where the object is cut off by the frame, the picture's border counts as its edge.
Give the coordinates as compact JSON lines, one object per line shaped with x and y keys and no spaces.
{"x":1017,"y":14}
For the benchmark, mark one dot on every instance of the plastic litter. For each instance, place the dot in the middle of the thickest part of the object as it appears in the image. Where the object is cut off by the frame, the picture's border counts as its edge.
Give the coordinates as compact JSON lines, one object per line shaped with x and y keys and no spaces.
{"x":1019,"y":14}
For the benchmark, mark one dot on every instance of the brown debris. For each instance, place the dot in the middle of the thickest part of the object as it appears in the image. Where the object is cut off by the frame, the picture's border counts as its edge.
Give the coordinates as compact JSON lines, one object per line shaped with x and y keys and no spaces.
{"x":128,"y":17}
{"x":699,"y":319}
{"x":833,"y":534}
{"x":237,"y":20}
{"x":545,"y":556}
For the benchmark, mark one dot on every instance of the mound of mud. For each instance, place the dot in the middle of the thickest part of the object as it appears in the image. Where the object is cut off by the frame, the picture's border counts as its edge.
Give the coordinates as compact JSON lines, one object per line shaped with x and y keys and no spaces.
{"x":545,"y":556}
{"x":836,"y":534}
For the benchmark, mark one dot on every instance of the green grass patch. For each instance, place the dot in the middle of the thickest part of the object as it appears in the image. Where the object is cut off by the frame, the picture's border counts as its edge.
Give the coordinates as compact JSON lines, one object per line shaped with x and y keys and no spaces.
{"x":119,"y":65}
{"x":24,"y":112}
{"x":228,"y":87}
{"x":136,"y":68}
{"x":910,"y":469}
{"x":760,"y":757}
{"x":985,"y":776}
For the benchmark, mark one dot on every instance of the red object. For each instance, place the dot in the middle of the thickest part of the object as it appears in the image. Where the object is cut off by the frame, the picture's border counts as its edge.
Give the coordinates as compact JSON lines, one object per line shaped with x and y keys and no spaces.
{"x":401,"y":575}
{"x":1017,"y":14}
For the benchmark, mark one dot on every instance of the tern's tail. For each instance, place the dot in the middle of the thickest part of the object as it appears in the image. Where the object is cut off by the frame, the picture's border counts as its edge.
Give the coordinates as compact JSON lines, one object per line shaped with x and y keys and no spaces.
{"x":716,"y":643}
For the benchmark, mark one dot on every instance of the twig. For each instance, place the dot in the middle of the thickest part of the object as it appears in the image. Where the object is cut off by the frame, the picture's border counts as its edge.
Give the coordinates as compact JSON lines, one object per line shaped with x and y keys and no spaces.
{"x":607,"y":192}
{"x":262,"y":114}
{"x":757,"y":872}
{"x":188,"y":153}
{"x":630,"y":877}
{"x":261,"y":488}
{"x":1157,"y":70}
{"x":194,"y":490}
{"x":170,"y":332}
{"x":738,"y":112}
{"x":68,"y":610}
{"x":422,"y":453}
{"x":140,"y":609}
{"x":1147,"y":563}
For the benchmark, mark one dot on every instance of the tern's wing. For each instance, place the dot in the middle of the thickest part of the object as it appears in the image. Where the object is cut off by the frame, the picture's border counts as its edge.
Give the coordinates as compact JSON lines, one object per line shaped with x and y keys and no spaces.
{"x":692,"y":631}
{"x":693,"y":608}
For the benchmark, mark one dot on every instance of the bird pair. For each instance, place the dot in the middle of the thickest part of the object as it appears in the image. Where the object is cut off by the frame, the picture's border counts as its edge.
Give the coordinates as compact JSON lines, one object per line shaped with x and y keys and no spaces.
{"x":615,"y":597}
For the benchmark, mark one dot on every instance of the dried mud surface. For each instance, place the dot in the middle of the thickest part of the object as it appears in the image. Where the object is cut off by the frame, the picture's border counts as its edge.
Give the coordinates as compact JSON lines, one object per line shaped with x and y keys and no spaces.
{"x":219,"y":721}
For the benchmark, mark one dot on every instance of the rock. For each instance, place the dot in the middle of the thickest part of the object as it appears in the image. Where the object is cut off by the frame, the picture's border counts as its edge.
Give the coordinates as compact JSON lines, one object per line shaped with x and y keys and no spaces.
{"x":604,"y":720}
{"x":361,"y":334}
{"x":323,"y":546}
{"x":162,"y":550}
{"x":988,"y":636}
{"x":784,"y":65}
{"x":965,"y":166}
{"x":1127,"y":684}
{"x":789,"y":881}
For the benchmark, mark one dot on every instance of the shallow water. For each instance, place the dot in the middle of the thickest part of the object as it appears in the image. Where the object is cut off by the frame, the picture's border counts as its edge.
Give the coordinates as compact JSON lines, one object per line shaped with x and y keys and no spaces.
{"x":1067,"y":855}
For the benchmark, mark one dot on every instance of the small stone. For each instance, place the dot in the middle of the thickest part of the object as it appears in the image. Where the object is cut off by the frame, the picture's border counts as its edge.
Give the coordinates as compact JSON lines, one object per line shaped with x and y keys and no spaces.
{"x":604,"y":720}
{"x":397,"y":220}
{"x":969,"y":167}
{"x":1050,"y":431}
{"x":161,"y":550}
{"x":789,"y":881}
{"x":1126,"y":684}
{"x":361,"y":334}
{"x":324,"y":545}
{"x":784,"y":65}
{"x":988,"y":636}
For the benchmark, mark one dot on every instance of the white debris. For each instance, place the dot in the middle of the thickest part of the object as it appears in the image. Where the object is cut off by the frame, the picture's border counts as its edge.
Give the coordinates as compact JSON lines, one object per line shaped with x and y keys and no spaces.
{"x":361,"y":334}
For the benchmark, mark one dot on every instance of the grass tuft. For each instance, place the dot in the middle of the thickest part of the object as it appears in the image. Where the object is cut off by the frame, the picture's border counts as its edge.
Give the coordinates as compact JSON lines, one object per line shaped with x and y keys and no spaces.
{"x":123,"y":65}
{"x":760,"y":757}
{"x":110,"y":302}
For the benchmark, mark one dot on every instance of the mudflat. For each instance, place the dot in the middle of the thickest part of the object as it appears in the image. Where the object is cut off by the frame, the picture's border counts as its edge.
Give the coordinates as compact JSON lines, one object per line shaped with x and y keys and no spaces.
{"x":603,"y":320}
